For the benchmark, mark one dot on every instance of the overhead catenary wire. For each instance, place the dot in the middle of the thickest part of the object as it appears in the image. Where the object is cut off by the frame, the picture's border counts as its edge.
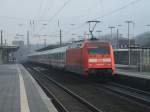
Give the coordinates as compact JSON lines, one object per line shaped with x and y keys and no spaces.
{"x":46,"y":10}
{"x":109,"y":13}
{"x":119,"y":9}
{"x":40,"y":8}
{"x":57,"y":12}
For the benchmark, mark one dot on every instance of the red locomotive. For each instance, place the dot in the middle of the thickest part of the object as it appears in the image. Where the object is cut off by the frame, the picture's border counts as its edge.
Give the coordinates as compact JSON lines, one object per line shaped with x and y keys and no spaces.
{"x":90,"y":57}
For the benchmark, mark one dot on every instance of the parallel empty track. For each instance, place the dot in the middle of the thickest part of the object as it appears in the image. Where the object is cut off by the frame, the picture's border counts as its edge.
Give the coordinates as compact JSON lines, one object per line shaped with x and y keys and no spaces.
{"x":62,"y":95}
{"x":137,"y":95}
{"x":109,"y":97}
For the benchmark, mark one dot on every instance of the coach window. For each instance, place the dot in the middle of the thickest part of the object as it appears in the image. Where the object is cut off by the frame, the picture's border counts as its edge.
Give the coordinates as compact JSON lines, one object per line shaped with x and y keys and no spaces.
{"x":60,"y":56}
{"x":45,"y":57}
{"x":144,"y":56}
{"x":57,"y":56}
{"x":49,"y":56}
{"x":148,"y":56}
{"x":53,"y":56}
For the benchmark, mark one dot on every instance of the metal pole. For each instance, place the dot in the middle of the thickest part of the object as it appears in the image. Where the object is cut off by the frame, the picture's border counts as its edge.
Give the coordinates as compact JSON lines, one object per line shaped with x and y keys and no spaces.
{"x":117,"y":39}
{"x":5,"y":41}
{"x":141,"y":59}
{"x":28,"y":38}
{"x":118,"y":35}
{"x":44,"y":42}
{"x":1,"y":37}
{"x":111,"y":32}
{"x":60,"y":38}
{"x":111,"y":40}
{"x":129,"y":54}
{"x":28,"y":41}
{"x":129,"y":42}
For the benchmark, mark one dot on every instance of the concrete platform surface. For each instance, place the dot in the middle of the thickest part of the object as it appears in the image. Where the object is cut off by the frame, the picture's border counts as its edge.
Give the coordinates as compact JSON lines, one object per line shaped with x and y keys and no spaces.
{"x":19,"y":92}
{"x":143,"y":75}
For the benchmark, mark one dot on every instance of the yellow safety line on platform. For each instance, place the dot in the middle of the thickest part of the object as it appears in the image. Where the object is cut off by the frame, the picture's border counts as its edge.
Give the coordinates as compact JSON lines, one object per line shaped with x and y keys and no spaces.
{"x":23,"y":95}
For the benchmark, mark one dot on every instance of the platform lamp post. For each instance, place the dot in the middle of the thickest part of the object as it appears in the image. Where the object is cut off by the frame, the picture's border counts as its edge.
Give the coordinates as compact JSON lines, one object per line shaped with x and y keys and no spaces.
{"x":60,"y":33}
{"x":111,"y":33}
{"x":1,"y":37}
{"x":91,"y":29}
{"x":118,"y":36}
{"x":129,"y":54}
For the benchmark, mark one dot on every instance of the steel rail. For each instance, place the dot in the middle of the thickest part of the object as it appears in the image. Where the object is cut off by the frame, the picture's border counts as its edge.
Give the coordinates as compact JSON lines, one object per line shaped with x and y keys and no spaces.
{"x":56,"y":102}
{"x":80,"y":99}
{"x":139,"y":96}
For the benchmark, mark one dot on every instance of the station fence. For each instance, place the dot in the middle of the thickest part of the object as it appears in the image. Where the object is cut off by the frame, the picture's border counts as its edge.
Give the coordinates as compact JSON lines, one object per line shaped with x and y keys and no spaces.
{"x":139,"y":58}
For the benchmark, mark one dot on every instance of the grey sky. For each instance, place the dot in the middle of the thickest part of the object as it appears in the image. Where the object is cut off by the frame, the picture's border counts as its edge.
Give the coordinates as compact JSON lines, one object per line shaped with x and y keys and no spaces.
{"x":15,"y":16}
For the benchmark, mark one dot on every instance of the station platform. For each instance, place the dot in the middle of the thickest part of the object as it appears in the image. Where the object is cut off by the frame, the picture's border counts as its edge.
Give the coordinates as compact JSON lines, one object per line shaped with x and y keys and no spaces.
{"x":139,"y":80}
{"x":19,"y":92}
{"x":143,"y":75}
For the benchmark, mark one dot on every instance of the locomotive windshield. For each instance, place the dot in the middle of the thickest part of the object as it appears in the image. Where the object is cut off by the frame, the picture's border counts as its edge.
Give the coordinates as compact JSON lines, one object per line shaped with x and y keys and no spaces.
{"x":98,"y":51}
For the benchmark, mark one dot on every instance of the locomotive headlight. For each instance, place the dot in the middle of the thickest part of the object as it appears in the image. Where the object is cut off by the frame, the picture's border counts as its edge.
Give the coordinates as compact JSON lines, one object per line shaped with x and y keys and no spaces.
{"x":92,"y":60}
{"x":106,"y":59}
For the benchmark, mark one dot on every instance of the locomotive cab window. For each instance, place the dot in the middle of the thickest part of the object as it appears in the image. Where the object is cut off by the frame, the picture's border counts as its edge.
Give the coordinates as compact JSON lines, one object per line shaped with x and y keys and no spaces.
{"x":98,"y":51}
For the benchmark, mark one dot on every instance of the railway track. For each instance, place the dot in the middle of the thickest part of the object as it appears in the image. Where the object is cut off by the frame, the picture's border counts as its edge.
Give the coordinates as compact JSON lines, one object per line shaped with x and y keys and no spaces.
{"x":137,"y":95}
{"x":140,"y":96}
{"x":112,"y":89}
{"x":45,"y":81}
